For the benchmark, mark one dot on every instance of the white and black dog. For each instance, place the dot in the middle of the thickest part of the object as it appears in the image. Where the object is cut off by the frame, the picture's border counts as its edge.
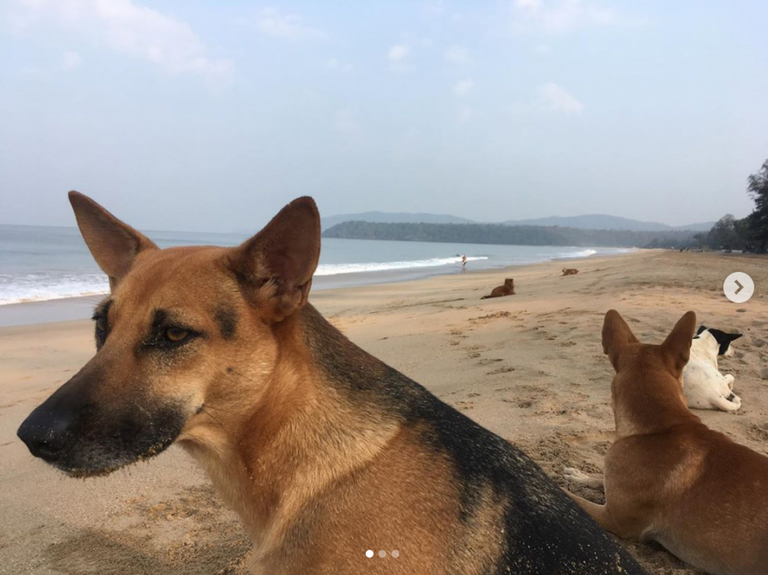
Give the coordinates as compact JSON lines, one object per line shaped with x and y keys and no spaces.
{"x":703,"y":384}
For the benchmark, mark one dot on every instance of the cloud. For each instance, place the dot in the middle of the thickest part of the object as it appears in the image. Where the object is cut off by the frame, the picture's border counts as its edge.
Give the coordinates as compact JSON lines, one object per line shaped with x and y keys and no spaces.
{"x":70,"y":60}
{"x":345,"y":121}
{"x":338,"y":66}
{"x":555,"y":99}
{"x":276,"y":24}
{"x":397,"y":53}
{"x":398,"y":58}
{"x":457,"y":55}
{"x":127,"y":28}
{"x":557,"y":16}
{"x":462,"y":88}
{"x":465,"y":115}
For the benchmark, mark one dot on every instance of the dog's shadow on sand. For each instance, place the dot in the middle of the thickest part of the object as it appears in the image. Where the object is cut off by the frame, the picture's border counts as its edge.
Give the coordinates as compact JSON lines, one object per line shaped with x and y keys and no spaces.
{"x":93,"y":552}
{"x":189,"y":534}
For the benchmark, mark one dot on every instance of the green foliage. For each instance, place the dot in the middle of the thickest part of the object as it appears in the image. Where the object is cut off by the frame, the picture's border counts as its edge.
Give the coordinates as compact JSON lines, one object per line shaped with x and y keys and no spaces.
{"x":750,"y":233}
{"x":508,"y":235}
{"x":757,"y":221}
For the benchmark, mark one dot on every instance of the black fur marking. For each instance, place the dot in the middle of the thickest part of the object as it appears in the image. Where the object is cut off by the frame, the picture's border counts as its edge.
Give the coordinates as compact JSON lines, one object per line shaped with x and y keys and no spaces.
{"x":227,"y":320}
{"x":544,"y":531}
{"x":101,"y":313}
{"x":722,"y":338}
{"x":159,"y":319}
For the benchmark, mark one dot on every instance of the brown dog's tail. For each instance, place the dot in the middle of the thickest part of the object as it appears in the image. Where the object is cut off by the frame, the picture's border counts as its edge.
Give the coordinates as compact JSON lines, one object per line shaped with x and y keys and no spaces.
{"x":486,"y":297}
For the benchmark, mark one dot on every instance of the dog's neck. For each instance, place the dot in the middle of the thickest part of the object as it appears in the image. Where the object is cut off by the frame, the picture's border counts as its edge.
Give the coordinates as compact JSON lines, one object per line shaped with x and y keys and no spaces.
{"x":304,"y":433}
{"x":647,"y":401}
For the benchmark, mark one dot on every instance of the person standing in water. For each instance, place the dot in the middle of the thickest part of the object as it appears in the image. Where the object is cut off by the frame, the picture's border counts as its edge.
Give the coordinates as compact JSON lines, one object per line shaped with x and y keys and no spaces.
{"x":463,"y":261}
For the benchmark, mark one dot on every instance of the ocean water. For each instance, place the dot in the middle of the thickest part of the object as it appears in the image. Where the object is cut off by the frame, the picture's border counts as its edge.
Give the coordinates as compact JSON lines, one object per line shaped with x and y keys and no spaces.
{"x":47,"y":263}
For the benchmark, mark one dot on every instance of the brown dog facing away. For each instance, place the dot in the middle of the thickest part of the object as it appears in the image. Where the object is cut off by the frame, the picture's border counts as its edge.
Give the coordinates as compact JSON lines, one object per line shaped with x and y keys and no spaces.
{"x":669,"y":478}
{"x":503,"y":290}
{"x":325,"y":452}
{"x":570,"y":271}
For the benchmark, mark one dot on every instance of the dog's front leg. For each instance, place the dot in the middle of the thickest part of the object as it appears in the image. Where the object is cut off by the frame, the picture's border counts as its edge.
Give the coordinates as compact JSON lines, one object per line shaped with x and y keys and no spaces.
{"x":594,"y":481}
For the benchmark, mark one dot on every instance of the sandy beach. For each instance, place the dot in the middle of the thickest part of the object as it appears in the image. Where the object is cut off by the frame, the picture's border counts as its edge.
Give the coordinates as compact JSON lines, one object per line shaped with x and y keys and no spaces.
{"x":529,"y":367}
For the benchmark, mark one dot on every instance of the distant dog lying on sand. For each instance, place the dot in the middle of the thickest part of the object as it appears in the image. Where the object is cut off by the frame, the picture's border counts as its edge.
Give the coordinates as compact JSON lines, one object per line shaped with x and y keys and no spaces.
{"x":703,"y":384}
{"x":503,"y":290}
{"x":669,"y":478}
{"x":570,"y":271}
{"x":326,"y":453}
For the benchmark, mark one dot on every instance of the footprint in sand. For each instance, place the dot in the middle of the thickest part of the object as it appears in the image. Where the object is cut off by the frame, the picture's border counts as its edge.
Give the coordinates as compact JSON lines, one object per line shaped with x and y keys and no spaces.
{"x":499,"y":371}
{"x":488,"y":361}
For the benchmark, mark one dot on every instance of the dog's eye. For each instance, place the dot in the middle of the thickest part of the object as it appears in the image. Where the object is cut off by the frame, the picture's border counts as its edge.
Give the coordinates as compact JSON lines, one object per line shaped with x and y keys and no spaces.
{"x":176,"y":334}
{"x":101,"y":324}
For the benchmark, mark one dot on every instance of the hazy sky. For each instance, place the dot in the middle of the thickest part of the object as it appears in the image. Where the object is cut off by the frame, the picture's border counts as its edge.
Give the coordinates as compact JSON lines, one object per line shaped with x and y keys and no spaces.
{"x":185,"y":114}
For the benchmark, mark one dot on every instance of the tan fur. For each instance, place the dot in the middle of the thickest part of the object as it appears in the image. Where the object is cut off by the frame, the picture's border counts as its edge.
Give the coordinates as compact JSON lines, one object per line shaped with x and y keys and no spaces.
{"x":570,"y":271}
{"x":353,"y":476}
{"x":323,"y":450}
{"x":668,"y":477}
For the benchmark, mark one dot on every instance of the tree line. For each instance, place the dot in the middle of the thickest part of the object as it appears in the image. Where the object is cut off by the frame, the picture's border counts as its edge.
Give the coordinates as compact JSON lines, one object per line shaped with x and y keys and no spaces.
{"x":749,"y":234}
{"x":507,"y":235}
{"x":729,"y":233}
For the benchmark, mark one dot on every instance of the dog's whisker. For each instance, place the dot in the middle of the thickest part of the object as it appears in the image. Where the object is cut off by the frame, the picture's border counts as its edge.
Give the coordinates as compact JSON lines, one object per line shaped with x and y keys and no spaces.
{"x":205,"y":411}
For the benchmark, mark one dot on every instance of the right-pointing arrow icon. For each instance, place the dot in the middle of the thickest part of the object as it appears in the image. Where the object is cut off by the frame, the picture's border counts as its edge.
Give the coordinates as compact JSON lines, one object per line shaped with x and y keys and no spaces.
{"x":738,"y":287}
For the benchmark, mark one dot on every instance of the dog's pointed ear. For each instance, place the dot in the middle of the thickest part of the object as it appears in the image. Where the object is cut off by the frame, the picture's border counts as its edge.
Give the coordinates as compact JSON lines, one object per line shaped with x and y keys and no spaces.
{"x":734,"y":336}
{"x":677,"y":346}
{"x":113,"y":244}
{"x":702,"y":328}
{"x":276,"y":265}
{"x":616,"y":336}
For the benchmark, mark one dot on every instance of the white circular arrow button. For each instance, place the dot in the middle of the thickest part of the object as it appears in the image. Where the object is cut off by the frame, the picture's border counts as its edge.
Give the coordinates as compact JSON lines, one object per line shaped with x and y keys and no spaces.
{"x":738,"y":287}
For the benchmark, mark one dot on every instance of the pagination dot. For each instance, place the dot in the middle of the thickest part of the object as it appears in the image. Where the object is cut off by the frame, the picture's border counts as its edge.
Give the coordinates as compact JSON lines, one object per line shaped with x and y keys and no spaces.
{"x":395,"y":553}
{"x":382,"y":553}
{"x":369,"y":553}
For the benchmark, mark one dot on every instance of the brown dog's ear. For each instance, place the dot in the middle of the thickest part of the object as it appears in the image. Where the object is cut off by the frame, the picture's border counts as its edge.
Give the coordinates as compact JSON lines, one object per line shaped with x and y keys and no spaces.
{"x":276,"y":265}
{"x":677,"y":346}
{"x":113,"y":244}
{"x":616,"y":336}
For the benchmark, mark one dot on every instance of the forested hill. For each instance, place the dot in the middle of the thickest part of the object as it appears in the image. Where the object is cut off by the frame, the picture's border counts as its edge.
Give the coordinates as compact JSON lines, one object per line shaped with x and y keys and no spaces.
{"x":508,"y":235}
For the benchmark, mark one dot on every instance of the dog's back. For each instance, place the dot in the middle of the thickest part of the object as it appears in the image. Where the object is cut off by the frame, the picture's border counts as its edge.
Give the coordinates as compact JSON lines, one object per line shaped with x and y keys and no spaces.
{"x":703,"y":384}
{"x":498,"y":512}
{"x":508,"y":288}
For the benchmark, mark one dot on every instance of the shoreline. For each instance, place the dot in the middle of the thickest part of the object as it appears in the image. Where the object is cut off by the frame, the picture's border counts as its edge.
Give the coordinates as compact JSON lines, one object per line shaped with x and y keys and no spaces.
{"x":80,"y":307}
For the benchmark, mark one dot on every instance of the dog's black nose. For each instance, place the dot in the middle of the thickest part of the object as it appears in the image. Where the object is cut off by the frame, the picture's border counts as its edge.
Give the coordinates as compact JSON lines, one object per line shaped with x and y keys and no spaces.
{"x":46,"y":433}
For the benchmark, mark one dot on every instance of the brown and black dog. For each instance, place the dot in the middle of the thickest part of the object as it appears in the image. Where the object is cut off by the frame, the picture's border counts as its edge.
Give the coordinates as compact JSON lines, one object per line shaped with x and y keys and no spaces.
{"x":669,"y":478}
{"x":570,"y":271}
{"x":503,"y":290}
{"x":324,"y":451}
